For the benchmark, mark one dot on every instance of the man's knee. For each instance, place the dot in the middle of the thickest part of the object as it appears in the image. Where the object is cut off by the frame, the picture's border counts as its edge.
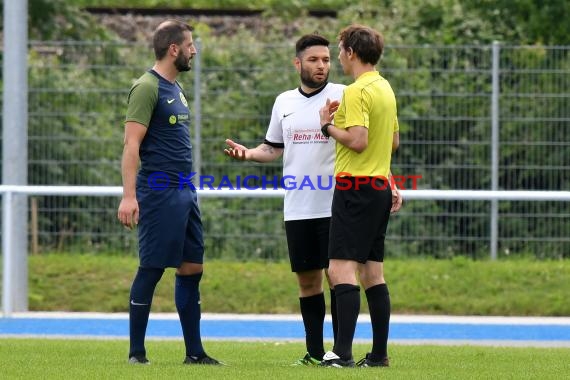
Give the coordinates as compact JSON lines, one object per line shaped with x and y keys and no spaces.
{"x":371,"y":274}
{"x":187,"y":269}
{"x":342,"y":271}
{"x":310,"y":281}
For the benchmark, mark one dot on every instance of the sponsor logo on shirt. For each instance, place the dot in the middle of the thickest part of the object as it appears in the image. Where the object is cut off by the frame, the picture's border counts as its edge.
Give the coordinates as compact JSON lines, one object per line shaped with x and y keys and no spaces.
{"x":306,"y":136}
{"x":173,"y":119}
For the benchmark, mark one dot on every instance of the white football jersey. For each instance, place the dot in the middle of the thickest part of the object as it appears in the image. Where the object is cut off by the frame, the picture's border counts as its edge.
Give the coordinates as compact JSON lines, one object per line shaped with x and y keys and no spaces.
{"x":308,"y":156}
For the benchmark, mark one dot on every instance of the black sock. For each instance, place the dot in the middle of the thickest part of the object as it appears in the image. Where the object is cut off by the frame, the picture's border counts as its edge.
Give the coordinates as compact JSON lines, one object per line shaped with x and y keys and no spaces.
{"x":333,"y":314}
{"x":187,"y":299}
{"x":142,"y":291}
{"x":313,"y":312}
{"x":347,"y":307}
{"x":379,"y":305}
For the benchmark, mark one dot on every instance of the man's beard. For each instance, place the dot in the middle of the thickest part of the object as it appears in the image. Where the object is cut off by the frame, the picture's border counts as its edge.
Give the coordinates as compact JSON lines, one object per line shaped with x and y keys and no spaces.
{"x":309,"y":82}
{"x":182,"y":63}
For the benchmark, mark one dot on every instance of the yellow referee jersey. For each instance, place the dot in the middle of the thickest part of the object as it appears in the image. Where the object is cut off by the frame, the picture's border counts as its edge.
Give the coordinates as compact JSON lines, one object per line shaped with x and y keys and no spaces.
{"x":368,"y":102}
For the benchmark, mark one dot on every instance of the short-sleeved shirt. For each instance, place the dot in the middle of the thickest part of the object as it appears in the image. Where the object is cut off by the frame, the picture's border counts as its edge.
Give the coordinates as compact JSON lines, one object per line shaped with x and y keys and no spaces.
{"x":308,"y":158}
{"x":369,"y":102}
{"x":160,"y":105}
{"x":170,"y":228}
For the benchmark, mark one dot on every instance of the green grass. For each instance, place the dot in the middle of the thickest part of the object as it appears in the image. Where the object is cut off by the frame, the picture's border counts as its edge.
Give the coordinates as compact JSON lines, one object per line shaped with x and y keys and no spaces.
{"x":100,"y":359}
{"x":460,"y":286}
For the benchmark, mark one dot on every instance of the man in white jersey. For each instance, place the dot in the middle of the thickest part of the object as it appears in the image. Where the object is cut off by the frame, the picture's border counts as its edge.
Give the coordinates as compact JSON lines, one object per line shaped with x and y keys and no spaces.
{"x":294,"y":131}
{"x":308,"y":167}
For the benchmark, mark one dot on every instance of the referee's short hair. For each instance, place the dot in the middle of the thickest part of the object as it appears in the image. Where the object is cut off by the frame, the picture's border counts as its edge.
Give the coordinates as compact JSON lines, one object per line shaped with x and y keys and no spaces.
{"x":308,"y":40}
{"x":367,"y":43}
{"x":167,"y":33}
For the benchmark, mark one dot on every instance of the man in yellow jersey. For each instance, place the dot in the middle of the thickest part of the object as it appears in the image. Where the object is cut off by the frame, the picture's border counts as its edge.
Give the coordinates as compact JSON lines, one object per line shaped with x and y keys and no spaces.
{"x":365,"y":126}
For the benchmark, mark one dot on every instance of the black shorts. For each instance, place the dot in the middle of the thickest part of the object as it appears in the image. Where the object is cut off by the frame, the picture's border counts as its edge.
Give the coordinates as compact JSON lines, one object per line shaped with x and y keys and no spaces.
{"x":359,"y":221}
{"x":308,"y":241}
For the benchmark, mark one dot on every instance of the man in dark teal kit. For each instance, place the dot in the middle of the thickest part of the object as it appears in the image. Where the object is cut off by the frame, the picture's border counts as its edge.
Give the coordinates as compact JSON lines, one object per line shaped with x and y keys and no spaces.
{"x":159,"y":199}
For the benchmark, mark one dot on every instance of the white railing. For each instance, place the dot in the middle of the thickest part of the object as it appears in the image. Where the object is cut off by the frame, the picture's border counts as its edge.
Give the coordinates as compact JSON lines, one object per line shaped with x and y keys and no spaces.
{"x":449,"y":195}
{"x":9,"y":294}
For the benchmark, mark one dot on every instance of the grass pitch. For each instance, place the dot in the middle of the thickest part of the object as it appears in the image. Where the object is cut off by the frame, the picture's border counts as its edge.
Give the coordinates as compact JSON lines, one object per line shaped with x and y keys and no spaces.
{"x":525,"y":287}
{"x":107,"y":359}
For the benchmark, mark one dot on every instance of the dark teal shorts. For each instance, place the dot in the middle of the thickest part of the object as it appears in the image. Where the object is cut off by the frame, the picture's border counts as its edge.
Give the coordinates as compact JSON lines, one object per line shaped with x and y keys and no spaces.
{"x":170,"y":227}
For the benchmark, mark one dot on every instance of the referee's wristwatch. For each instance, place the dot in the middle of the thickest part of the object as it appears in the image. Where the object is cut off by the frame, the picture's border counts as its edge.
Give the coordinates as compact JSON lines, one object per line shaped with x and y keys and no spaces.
{"x":325,"y":129}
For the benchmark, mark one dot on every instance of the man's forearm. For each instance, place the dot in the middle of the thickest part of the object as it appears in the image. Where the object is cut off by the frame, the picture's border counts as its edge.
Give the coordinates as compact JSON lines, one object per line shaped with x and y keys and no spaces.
{"x":129,"y":166}
{"x":263,"y":153}
{"x":354,"y":138}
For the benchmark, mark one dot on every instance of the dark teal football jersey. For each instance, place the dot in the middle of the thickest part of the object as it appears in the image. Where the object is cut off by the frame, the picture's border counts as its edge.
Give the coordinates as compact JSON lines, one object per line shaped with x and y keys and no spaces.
{"x":160,"y":105}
